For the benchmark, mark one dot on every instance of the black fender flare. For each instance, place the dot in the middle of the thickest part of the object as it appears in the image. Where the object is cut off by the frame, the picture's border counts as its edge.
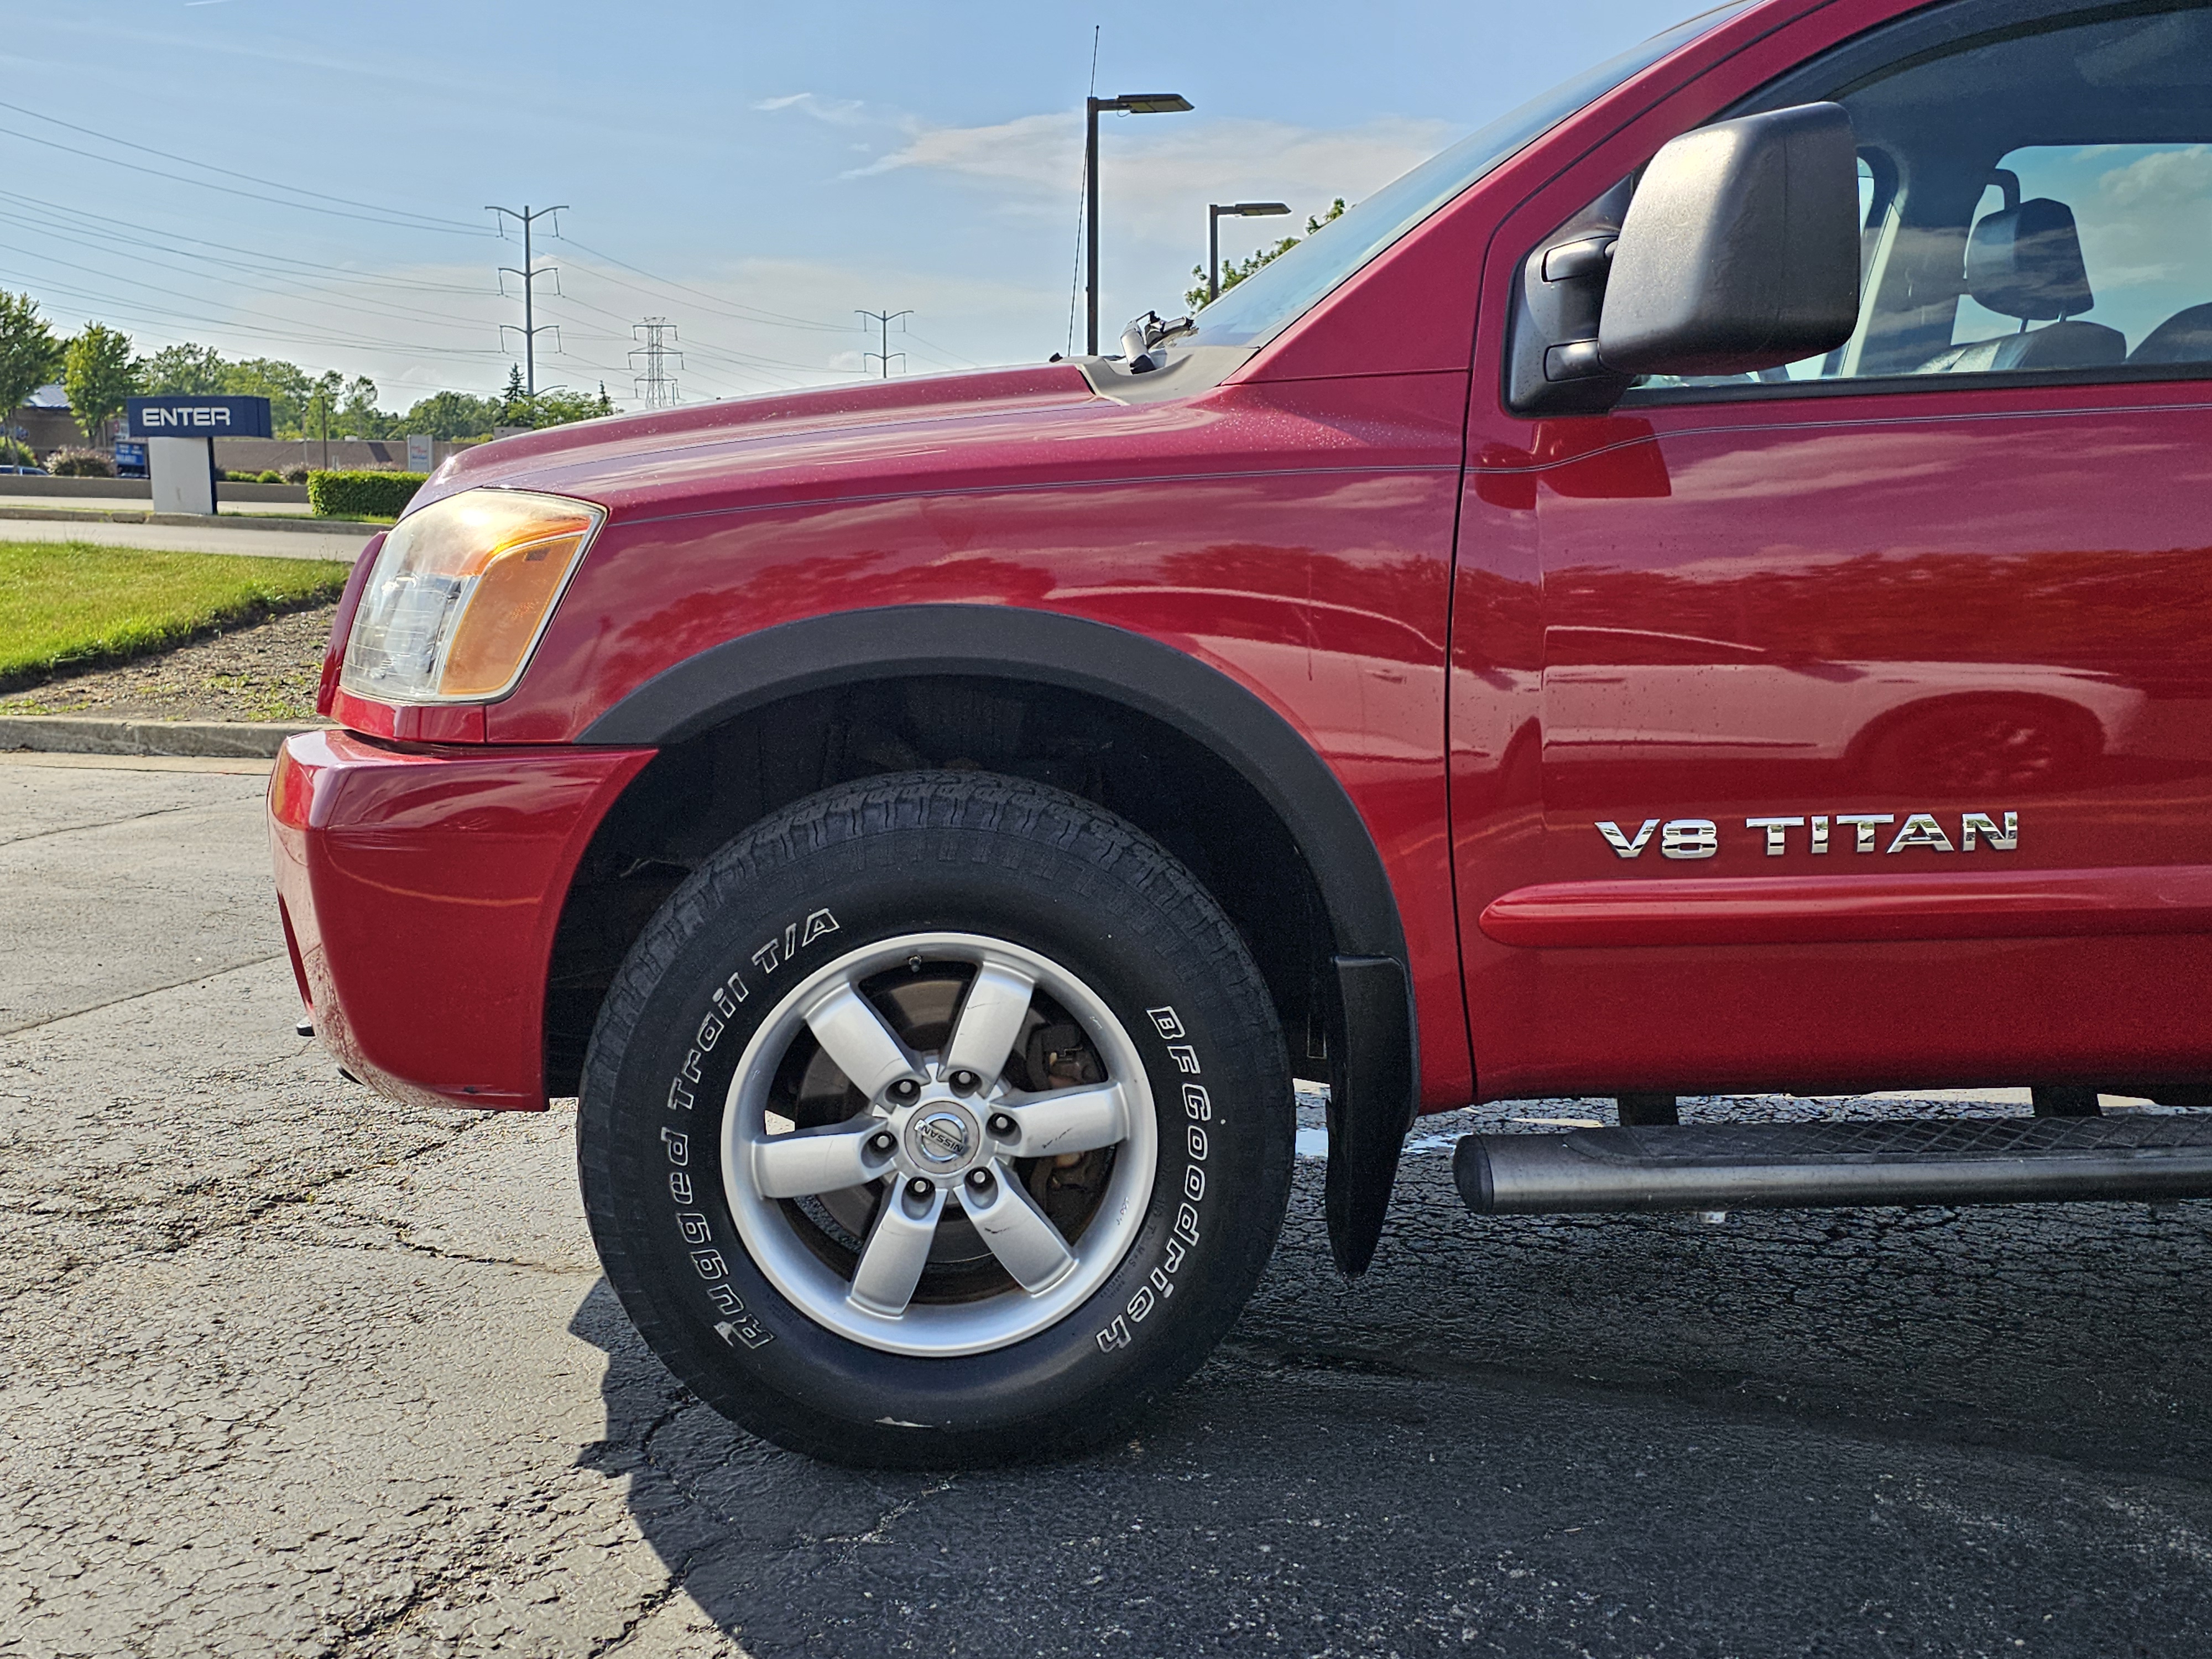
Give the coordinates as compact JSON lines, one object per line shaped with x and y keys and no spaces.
{"x":1373,"y":1055}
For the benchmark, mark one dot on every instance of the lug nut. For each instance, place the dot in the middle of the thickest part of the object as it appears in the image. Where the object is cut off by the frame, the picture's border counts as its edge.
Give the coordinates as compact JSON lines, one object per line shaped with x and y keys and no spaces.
{"x":918,"y":1187}
{"x":965,"y":1083}
{"x":882,"y":1141}
{"x":1002,"y":1125}
{"x":905,"y":1089}
{"x":979,"y":1178}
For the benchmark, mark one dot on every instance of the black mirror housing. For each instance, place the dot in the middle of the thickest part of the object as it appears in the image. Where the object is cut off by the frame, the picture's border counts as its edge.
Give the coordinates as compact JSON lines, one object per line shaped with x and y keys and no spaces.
{"x":1741,"y":249}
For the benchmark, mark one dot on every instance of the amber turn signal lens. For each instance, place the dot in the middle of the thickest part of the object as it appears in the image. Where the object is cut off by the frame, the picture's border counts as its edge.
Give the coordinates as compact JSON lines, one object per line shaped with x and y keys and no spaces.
{"x":511,"y":597}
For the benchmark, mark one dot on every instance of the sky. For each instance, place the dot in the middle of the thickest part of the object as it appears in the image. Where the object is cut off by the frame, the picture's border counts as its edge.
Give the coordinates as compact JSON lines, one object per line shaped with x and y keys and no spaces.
{"x":277,"y":177}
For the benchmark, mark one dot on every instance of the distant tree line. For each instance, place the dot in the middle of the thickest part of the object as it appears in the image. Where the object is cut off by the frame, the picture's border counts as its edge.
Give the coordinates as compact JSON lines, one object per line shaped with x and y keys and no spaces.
{"x":98,"y":371}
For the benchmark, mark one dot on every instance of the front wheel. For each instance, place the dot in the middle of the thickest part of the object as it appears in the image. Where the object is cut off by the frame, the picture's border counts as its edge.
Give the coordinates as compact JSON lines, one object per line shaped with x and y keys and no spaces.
{"x":939,"y":1120}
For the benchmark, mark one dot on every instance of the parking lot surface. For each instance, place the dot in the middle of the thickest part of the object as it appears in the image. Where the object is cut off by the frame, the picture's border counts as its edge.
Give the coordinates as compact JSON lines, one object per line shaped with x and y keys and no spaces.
{"x":292,"y":1369}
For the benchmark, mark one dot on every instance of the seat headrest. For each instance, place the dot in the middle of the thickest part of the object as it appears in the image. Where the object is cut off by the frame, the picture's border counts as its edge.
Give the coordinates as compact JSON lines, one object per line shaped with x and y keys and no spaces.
{"x":2026,"y":261}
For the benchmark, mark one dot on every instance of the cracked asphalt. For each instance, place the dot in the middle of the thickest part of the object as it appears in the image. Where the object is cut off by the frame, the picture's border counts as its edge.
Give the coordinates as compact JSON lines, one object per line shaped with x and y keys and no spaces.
{"x":291,"y":1370}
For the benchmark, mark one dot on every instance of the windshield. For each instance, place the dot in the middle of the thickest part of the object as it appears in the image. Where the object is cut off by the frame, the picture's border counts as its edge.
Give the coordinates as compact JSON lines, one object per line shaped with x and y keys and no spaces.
{"x":1283,"y":290}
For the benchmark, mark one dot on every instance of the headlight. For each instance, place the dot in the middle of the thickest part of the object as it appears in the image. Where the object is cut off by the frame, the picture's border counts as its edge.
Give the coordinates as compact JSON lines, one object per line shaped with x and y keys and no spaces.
{"x":460,"y":593}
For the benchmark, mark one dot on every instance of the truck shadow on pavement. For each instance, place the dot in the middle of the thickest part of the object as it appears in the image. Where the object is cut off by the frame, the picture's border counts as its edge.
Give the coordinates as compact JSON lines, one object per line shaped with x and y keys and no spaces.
{"x":1878,"y":1431}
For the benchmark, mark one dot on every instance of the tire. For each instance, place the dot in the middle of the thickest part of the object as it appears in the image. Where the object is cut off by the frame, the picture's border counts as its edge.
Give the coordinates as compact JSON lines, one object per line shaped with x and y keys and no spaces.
{"x":762,"y":1171}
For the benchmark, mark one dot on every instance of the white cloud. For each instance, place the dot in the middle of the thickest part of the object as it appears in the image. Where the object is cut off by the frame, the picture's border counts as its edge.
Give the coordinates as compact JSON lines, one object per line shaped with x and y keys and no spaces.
{"x":1159,"y":171}
{"x":837,"y":112}
{"x":2176,"y":179}
{"x":1030,"y":150}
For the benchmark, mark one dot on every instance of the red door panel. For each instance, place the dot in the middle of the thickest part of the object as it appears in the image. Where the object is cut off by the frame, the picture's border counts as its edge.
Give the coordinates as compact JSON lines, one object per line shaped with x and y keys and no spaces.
{"x":1928,"y":666}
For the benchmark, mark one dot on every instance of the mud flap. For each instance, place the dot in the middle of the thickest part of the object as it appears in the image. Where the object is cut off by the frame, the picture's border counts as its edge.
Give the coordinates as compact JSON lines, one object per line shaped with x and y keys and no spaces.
{"x":1371,"y":1101}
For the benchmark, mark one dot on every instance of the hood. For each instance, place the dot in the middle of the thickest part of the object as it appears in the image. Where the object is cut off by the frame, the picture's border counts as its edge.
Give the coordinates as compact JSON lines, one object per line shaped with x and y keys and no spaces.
{"x":667,"y":460}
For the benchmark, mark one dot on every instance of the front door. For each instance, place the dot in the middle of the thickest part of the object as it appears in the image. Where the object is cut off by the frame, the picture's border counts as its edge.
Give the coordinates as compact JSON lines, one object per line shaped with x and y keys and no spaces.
{"x":1874,"y":711}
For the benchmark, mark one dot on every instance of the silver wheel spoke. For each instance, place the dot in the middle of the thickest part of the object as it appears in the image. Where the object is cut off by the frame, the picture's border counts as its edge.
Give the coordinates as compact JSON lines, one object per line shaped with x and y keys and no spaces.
{"x":811,"y":1160}
{"x":896,"y":1251}
{"x":855,"y":1036}
{"x":843,"y":1219}
{"x":1068,"y":1120}
{"x":1027,"y":1244}
{"x":991,"y":1017}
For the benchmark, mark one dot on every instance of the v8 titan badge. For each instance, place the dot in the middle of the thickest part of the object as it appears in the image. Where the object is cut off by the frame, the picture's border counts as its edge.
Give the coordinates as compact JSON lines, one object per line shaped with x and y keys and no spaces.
{"x":1700,"y":838}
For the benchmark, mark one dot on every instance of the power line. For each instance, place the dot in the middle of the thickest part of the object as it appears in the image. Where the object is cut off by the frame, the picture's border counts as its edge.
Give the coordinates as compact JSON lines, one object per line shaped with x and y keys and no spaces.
{"x":743,"y":314}
{"x":657,"y":386}
{"x":428,"y":222}
{"x":884,"y":319}
{"x":228,"y":190}
{"x":159,"y":317}
{"x":945,"y":355}
{"x":77,"y":219}
{"x":382,"y":308}
{"x":530,"y":273}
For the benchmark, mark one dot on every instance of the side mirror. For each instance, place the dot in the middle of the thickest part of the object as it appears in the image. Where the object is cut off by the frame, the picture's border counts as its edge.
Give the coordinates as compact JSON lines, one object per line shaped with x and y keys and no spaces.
{"x":1740,"y":251}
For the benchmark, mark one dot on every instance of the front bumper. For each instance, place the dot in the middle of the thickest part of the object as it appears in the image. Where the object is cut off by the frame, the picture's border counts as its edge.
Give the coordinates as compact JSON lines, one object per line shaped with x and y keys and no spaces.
{"x":420,"y":889}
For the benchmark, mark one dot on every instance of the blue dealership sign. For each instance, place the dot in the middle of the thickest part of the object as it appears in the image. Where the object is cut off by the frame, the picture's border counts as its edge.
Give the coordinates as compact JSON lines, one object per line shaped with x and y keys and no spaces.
{"x":198,"y":417}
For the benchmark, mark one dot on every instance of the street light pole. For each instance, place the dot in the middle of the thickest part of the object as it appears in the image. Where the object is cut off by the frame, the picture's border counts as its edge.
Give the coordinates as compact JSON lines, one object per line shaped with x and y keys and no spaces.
{"x":1215,"y":213}
{"x":1129,"y":103}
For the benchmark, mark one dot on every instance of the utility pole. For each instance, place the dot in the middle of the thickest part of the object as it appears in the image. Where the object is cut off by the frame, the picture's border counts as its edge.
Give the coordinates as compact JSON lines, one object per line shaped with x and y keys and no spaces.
{"x":883,"y":320}
{"x":530,"y":273}
{"x":656,"y":385}
{"x":1129,"y":103}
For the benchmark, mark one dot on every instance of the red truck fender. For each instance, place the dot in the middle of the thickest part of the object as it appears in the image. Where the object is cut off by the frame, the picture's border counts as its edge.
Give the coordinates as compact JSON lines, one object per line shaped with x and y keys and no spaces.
{"x":1373,"y":1039}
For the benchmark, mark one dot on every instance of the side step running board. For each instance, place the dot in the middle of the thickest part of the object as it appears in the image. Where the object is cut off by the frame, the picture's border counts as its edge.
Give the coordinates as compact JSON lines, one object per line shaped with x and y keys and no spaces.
{"x":1768,"y":1166}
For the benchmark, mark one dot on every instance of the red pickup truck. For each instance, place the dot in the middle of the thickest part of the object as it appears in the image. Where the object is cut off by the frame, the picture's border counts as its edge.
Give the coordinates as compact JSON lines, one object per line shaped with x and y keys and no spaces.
{"x":1701,"y":587}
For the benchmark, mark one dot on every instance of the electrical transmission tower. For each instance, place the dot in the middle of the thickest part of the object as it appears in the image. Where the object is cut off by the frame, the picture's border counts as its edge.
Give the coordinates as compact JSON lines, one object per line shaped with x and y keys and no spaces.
{"x":656,"y":385}
{"x":530,"y":273}
{"x":883,"y":320}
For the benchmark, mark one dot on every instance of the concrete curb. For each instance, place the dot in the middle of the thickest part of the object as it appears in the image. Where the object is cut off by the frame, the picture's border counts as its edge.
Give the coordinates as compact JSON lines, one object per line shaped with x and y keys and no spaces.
{"x":194,"y":520}
{"x":77,"y":734}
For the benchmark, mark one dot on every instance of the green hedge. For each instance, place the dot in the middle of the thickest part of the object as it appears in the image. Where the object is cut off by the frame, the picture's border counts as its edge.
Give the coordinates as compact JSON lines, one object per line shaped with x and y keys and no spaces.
{"x":362,"y":495}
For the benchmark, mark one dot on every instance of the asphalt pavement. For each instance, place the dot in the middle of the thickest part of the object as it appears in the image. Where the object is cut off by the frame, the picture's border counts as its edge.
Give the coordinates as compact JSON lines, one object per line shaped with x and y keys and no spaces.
{"x":292,"y":1370}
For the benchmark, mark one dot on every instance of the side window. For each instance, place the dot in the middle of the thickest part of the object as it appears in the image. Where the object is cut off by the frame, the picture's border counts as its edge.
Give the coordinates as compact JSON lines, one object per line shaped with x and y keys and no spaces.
{"x":2036,"y":199}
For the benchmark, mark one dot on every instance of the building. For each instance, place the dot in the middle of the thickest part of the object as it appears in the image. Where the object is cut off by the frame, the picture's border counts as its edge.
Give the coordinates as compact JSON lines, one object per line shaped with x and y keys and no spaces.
{"x":44,"y":423}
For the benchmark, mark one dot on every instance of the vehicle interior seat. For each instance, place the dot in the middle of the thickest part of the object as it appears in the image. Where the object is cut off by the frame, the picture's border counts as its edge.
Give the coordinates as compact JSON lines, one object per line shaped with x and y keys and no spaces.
{"x":2183,"y":337}
{"x":2026,"y":261}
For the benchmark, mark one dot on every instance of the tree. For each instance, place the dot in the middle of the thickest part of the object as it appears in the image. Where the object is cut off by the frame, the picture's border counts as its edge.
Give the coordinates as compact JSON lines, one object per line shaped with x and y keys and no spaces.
{"x":28,"y":351}
{"x":560,"y":408}
{"x":98,"y":376}
{"x":184,"y":371}
{"x":452,"y":414}
{"x":359,"y":416}
{"x":515,"y":403}
{"x":290,"y":391}
{"x":1235,"y":270}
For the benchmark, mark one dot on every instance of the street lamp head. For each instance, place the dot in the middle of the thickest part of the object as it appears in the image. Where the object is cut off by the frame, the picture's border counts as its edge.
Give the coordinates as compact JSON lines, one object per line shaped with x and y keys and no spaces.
{"x":1146,"y":103}
{"x":1252,"y":209}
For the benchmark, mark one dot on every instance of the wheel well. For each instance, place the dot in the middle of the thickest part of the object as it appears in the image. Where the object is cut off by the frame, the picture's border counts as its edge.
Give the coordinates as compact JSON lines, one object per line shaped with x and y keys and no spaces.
{"x":697,"y":793}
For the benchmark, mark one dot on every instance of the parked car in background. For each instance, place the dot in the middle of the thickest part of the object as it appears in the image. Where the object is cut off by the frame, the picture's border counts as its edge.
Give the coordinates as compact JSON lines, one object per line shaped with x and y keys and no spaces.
{"x":1701,"y":587}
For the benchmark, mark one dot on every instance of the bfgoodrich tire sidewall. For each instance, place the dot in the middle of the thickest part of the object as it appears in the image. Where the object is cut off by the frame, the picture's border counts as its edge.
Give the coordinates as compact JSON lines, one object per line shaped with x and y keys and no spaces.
{"x":1116,"y":913}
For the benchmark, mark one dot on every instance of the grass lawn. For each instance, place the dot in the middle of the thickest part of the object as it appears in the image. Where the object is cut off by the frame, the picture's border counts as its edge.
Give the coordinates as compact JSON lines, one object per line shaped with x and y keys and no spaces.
{"x":65,"y":604}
